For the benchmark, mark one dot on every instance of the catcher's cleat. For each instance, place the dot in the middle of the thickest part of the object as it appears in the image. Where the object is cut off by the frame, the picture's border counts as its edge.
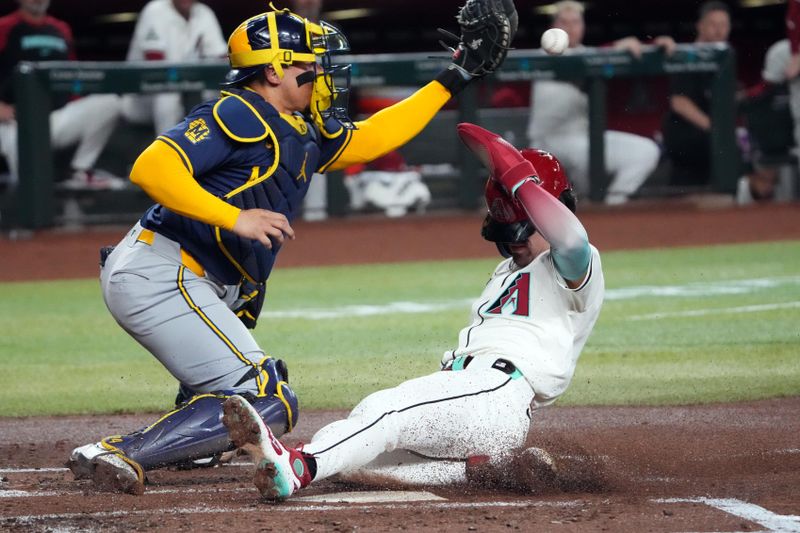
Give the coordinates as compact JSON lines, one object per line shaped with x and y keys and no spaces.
{"x":110,"y":471}
{"x":280,"y":471}
{"x":114,"y":473}
{"x":81,"y":460}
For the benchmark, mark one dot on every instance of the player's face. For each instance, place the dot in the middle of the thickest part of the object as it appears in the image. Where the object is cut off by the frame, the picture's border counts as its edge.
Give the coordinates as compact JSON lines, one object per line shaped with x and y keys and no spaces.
{"x":571,"y":21}
{"x":714,"y":27}
{"x":298,"y":97}
{"x":523,"y":253}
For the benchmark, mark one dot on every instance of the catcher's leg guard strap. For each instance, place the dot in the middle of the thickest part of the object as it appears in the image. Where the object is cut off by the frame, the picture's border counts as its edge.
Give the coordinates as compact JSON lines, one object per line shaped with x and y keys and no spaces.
{"x":195,"y":429}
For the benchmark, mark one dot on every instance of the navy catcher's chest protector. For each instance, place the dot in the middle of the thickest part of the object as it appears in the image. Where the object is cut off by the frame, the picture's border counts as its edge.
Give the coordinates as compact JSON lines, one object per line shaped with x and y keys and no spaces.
{"x":282,"y":189}
{"x":267,"y":163}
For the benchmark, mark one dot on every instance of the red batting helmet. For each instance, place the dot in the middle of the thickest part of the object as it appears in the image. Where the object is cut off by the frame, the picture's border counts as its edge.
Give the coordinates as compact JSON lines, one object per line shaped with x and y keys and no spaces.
{"x":507,"y":222}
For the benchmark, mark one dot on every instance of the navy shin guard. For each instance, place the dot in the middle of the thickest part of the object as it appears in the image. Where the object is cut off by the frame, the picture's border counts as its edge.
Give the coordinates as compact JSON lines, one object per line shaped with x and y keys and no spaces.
{"x":195,"y":429}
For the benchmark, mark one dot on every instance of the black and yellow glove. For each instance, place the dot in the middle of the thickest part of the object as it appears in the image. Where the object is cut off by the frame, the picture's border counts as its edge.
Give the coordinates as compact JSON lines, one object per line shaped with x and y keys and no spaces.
{"x":487,"y":29}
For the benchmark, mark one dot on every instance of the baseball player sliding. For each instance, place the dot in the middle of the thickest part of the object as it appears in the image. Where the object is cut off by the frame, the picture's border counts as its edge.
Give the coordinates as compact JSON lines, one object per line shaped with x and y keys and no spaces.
{"x":527,"y":331}
{"x":188,"y":280}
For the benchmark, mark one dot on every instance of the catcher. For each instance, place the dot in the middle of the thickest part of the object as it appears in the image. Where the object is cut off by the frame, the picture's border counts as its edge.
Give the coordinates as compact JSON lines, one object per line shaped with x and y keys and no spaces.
{"x":188,"y":280}
{"x":527,"y":331}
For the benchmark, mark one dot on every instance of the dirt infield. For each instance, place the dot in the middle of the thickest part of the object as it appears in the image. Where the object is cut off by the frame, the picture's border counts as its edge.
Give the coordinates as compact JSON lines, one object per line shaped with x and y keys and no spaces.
{"x":699,"y":468}
{"x":666,"y":469}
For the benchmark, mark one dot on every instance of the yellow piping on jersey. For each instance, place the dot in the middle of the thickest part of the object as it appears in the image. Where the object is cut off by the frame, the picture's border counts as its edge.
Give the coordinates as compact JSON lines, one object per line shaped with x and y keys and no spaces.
{"x":175,"y":146}
{"x":228,"y":255}
{"x":263,"y":177}
{"x":228,"y":132}
{"x":323,"y":168}
{"x":250,"y":183}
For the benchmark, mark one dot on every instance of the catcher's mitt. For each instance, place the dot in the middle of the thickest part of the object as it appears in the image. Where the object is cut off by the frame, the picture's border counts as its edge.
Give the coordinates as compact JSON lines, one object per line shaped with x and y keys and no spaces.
{"x":487,"y":29}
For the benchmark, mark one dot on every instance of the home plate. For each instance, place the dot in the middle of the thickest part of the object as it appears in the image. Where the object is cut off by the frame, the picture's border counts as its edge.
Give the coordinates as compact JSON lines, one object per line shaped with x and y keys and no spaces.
{"x":372,"y":497}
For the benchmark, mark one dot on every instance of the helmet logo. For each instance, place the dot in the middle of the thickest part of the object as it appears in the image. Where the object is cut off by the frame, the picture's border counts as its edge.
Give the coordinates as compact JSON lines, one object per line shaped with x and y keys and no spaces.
{"x":475,"y":44}
{"x":502,"y":211}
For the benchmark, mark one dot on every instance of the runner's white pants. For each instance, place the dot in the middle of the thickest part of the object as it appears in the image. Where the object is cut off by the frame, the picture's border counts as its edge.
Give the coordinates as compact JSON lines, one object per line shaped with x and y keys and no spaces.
{"x":448,"y":415}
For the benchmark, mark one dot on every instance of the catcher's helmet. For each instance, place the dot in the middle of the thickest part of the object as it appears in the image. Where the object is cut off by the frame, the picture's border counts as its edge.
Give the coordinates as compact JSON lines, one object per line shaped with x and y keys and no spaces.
{"x":280,"y":38}
{"x":507,"y":222}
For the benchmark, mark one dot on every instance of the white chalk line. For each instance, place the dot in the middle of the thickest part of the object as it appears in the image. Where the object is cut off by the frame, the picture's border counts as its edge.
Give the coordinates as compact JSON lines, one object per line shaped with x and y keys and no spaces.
{"x":288,"y":507}
{"x":63,"y":469}
{"x":748,"y":511}
{"x":31,"y":470}
{"x":12,"y":470}
{"x":694,"y":290}
{"x":370,"y":310}
{"x":702,"y":289}
{"x":718,"y":311}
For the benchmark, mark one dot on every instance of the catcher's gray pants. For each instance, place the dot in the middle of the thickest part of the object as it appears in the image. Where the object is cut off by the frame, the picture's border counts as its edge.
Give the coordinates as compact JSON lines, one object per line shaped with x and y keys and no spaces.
{"x":182,"y":318}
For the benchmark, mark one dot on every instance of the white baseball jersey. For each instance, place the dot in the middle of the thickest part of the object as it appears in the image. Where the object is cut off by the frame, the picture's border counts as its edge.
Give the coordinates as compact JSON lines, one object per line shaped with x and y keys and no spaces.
{"x":162,"y":33}
{"x":530,"y":317}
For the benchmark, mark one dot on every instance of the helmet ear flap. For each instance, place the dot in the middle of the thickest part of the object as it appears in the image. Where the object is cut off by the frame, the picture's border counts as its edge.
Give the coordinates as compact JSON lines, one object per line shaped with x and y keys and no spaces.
{"x":503,"y":249}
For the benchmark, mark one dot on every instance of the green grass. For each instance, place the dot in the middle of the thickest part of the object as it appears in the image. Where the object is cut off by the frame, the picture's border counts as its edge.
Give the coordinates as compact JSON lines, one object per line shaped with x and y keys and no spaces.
{"x":62,"y":353}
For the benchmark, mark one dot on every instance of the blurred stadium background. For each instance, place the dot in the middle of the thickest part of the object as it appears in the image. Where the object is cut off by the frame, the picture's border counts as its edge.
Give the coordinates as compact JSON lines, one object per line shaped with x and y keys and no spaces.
{"x":103,"y":31}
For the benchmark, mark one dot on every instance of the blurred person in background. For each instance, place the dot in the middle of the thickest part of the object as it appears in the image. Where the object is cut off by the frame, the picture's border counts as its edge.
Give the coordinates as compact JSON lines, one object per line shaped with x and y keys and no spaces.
{"x":687,"y":126}
{"x":771,"y":129}
{"x":559,"y":120}
{"x":176,"y":31}
{"x":30,"y":34}
{"x":782,"y":63}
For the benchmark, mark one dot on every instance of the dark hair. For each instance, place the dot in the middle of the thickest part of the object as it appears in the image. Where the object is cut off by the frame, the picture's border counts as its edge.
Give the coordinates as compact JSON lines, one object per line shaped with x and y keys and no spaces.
{"x":569,"y":199}
{"x":259,"y":77}
{"x":712,"y":5}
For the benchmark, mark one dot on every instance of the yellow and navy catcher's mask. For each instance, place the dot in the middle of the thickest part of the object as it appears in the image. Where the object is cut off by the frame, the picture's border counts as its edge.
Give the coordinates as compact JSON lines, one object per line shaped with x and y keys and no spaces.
{"x":280,"y":38}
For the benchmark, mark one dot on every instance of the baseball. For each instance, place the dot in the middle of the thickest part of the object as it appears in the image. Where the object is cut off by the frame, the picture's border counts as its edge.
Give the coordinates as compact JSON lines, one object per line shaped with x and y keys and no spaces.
{"x":555,"y":41}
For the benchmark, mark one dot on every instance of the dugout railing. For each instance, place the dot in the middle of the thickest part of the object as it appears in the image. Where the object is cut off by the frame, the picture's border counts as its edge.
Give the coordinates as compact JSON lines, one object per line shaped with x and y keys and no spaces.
{"x":31,"y":205}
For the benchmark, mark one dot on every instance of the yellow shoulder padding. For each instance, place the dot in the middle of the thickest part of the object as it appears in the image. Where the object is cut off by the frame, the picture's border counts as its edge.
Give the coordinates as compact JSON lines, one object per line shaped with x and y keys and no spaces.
{"x":239,"y":120}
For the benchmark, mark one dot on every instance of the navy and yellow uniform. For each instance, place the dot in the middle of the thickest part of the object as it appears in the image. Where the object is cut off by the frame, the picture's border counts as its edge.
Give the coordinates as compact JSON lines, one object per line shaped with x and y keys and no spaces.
{"x":240,"y":149}
{"x":238,"y":153}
